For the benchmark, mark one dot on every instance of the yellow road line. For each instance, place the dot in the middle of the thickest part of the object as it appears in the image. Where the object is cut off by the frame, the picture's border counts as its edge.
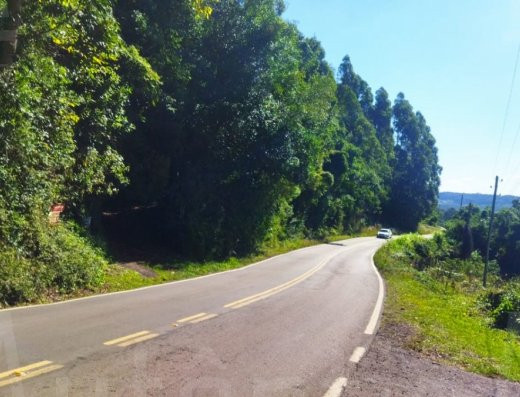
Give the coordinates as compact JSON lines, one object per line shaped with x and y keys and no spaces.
{"x":24,"y":369}
{"x":200,"y":319}
{"x":273,"y":291}
{"x":278,"y":290}
{"x":32,"y":374}
{"x":125,"y":338}
{"x":186,"y":319}
{"x":138,"y":340}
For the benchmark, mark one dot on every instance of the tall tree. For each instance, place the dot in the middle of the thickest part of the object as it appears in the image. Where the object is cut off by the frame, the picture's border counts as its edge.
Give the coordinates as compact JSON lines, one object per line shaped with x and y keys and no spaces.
{"x":360,"y":87}
{"x":416,"y":179}
{"x":381,"y":118}
{"x":243,"y":119}
{"x":506,"y":240}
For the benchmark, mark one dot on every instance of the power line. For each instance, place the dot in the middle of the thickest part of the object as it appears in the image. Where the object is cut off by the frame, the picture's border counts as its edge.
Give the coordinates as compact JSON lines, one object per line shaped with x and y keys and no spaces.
{"x":506,"y":114}
{"x":517,"y":133}
{"x":509,"y":158}
{"x":512,"y":183}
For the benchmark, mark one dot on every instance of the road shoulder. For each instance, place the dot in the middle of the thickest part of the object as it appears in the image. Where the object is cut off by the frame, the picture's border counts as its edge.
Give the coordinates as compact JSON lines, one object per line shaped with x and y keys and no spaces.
{"x":391,"y":368}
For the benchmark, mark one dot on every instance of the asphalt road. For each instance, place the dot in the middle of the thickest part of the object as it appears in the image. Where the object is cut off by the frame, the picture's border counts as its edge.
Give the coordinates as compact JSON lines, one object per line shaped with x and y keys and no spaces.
{"x":293,"y":325}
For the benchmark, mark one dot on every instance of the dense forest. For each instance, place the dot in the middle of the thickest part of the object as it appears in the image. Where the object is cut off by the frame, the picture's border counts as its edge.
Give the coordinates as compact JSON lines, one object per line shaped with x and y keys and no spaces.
{"x":469,"y":228}
{"x":210,"y":127}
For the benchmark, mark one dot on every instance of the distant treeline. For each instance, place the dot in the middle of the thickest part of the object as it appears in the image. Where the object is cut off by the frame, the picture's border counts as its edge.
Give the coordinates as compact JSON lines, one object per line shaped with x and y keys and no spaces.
{"x":218,"y":115}
{"x":453,"y":200}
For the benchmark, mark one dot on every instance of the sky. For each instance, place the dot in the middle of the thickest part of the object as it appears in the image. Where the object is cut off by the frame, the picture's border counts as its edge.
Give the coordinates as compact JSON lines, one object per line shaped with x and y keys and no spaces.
{"x":454,"y":61}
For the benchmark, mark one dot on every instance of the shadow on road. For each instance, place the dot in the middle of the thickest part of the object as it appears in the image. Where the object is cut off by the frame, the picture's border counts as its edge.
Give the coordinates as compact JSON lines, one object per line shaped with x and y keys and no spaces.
{"x":338,"y":244}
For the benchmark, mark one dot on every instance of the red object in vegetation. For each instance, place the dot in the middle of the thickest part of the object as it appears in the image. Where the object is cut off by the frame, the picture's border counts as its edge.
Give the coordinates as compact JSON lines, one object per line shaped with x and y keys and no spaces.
{"x":58,"y":208}
{"x":54,"y":214}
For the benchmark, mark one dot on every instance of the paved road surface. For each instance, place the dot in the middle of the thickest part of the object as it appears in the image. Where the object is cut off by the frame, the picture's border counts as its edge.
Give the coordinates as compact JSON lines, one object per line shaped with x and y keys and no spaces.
{"x":289,"y":326}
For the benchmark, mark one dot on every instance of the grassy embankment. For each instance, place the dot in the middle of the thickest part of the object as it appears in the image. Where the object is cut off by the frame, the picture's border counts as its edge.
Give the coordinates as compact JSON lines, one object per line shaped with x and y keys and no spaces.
{"x":428,"y":229}
{"x":118,"y":278}
{"x":446,"y":317}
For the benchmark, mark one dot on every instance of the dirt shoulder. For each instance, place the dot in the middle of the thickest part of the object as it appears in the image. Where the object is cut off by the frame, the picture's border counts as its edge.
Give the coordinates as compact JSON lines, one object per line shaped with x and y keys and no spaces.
{"x":390,"y":368}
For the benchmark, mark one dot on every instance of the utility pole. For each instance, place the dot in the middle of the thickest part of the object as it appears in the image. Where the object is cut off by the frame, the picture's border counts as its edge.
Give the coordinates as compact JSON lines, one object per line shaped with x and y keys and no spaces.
{"x":486,"y":265}
{"x":461,"y":200}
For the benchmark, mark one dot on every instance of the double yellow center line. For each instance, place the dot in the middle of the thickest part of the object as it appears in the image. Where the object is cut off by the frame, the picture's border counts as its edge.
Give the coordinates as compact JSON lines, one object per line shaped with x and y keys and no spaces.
{"x":29,"y":371}
{"x":197,"y":318}
{"x":19,"y":374}
{"x":131,"y":339}
{"x":273,"y":291}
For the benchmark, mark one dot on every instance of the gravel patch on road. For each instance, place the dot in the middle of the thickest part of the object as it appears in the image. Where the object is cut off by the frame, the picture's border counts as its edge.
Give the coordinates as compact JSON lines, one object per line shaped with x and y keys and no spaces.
{"x":392,"y":369}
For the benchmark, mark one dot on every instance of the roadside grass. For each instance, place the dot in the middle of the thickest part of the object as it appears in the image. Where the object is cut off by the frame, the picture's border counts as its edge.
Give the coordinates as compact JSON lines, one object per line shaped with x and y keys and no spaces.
{"x":448,"y":324}
{"x":370,"y":231}
{"x":428,"y":229}
{"x":118,"y":278}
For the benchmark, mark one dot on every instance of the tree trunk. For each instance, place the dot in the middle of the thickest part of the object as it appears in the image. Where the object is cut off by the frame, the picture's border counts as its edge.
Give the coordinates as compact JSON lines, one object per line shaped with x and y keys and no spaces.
{"x":8,"y":31}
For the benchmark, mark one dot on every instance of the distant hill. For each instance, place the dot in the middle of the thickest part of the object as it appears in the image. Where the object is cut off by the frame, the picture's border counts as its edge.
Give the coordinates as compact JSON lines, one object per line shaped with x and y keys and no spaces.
{"x":452,"y":200}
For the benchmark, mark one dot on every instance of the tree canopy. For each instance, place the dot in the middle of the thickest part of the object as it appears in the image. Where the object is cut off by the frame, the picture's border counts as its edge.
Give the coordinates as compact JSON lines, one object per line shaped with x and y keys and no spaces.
{"x":218,"y":119}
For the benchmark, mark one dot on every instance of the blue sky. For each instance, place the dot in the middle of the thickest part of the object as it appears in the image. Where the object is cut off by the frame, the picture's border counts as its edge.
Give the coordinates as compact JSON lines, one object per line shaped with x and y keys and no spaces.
{"x":453,"y":60}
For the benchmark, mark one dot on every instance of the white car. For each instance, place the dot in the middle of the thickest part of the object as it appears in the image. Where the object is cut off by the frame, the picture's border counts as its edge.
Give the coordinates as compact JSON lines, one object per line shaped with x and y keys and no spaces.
{"x":384,"y":233}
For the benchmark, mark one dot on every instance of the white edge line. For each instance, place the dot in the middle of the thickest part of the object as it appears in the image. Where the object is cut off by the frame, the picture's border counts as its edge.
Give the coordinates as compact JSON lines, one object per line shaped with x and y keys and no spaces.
{"x":337,"y":388}
{"x":172,"y":282}
{"x":152,"y":286}
{"x":291,"y":283}
{"x":358,"y":354}
{"x":374,"y":319}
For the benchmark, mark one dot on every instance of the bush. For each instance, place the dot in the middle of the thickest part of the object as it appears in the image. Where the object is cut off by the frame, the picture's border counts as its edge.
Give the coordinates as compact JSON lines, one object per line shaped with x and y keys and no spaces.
{"x":503,"y":305}
{"x":424,"y":253}
{"x":71,"y":262}
{"x":17,"y":279}
{"x":60,"y":260}
{"x":437,"y":258}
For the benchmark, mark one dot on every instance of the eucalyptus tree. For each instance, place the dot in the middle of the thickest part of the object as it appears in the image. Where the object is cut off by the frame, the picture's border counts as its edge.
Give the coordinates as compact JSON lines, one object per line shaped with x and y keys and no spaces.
{"x":416,"y":178}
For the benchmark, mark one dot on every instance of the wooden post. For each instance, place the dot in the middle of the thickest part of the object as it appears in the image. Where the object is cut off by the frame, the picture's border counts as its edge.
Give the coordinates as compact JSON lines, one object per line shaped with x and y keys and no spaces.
{"x":486,"y":264}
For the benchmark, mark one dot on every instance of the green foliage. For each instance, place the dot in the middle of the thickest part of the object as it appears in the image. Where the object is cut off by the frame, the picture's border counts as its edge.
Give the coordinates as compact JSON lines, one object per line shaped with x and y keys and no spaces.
{"x":63,"y":109}
{"x":469,"y":228}
{"x":217,"y":119}
{"x":251,"y":138}
{"x":502,"y":304}
{"x":506,"y":240}
{"x":354,"y":188}
{"x":437,"y":259}
{"x":58,"y":260}
{"x":426,"y":229}
{"x":82,"y":37}
{"x":17,"y":278}
{"x":37,"y":142}
{"x":448,"y":322}
{"x":235,"y":145}
{"x":415,"y":185}
{"x":118,"y":278}
{"x":70,"y":261}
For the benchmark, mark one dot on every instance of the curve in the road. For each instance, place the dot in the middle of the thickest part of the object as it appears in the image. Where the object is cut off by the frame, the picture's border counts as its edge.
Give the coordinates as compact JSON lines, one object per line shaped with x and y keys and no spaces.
{"x":324,"y":289}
